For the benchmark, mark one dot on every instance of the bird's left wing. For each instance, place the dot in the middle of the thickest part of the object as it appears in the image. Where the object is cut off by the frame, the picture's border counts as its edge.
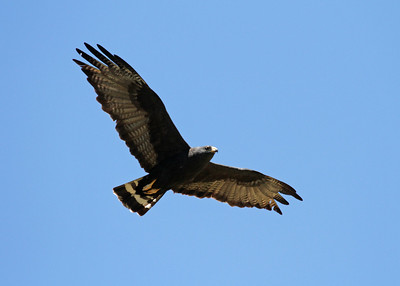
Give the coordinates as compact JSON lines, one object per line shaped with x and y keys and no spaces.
{"x":238,"y":187}
{"x":142,"y":120}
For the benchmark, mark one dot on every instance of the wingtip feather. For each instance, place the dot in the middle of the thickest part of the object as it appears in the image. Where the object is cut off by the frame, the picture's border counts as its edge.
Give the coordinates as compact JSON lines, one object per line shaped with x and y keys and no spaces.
{"x":104,"y":51}
{"x":89,"y":47}
{"x":79,"y":63}
{"x":278,"y":210}
{"x":79,"y":51}
{"x":297,"y":197}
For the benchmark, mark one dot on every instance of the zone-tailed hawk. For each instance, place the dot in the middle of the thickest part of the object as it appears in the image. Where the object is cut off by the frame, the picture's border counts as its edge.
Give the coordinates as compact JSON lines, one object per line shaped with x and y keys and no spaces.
{"x":144,"y":124}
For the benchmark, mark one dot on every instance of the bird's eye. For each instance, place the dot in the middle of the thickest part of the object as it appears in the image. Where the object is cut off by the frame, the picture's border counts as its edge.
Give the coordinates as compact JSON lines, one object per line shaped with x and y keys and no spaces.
{"x":208,"y":148}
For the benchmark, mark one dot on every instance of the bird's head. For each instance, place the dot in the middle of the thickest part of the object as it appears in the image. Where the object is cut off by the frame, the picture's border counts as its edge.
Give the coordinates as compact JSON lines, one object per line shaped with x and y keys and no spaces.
{"x":210,"y":149}
{"x":204,"y":151}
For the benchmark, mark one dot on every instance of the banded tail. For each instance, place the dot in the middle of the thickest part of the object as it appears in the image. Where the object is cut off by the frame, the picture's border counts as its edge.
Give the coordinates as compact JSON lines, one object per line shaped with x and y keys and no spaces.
{"x":138,"y":198}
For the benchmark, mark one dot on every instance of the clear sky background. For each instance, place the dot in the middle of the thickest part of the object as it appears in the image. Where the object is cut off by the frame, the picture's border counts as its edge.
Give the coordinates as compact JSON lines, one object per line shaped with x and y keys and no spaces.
{"x":304,"y":91}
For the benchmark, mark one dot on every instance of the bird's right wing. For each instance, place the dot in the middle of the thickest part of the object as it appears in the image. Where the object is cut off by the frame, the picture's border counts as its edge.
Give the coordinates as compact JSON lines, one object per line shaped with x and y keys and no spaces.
{"x":142,"y":120}
{"x":238,"y":187}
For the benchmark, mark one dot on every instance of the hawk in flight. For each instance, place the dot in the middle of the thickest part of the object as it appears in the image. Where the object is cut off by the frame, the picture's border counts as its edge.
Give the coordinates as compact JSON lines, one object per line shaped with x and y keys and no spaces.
{"x":144,"y":124}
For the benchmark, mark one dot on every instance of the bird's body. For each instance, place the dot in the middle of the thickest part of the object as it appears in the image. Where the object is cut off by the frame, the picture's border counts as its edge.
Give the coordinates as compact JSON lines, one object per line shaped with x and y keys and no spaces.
{"x":179,"y":170}
{"x":145,"y":126}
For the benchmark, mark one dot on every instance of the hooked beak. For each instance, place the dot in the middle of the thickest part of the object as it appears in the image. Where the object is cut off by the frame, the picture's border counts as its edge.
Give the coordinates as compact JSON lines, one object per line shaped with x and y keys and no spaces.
{"x":214,"y":149}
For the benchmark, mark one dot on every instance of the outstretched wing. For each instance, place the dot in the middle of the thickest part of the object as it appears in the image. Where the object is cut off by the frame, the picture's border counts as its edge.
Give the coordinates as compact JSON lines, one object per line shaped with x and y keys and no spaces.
{"x":141,"y":118}
{"x":238,"y":187}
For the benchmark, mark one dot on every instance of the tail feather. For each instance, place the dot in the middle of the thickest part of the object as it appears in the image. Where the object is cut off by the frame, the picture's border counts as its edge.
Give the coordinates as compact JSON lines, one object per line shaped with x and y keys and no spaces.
{"x":132,"y":196}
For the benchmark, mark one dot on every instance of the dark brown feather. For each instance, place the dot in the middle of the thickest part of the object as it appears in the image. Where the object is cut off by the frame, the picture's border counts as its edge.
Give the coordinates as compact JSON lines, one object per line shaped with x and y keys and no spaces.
{"x":141,"y":118}
{"x":238,"y":187}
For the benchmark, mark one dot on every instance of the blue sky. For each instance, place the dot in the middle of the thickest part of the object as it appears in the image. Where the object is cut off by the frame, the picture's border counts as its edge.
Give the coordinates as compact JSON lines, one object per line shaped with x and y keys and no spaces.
{"x":305,"y":91}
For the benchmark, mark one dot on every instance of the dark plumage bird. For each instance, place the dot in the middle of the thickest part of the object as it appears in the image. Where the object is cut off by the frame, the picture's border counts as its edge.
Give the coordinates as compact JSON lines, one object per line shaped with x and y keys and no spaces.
{"x":144,"y":124}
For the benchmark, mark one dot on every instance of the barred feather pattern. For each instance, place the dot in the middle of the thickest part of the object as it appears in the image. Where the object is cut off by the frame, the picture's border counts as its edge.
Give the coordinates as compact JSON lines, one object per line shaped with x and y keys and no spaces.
{"x":141,"y":118}
{"x":238,"y":187}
